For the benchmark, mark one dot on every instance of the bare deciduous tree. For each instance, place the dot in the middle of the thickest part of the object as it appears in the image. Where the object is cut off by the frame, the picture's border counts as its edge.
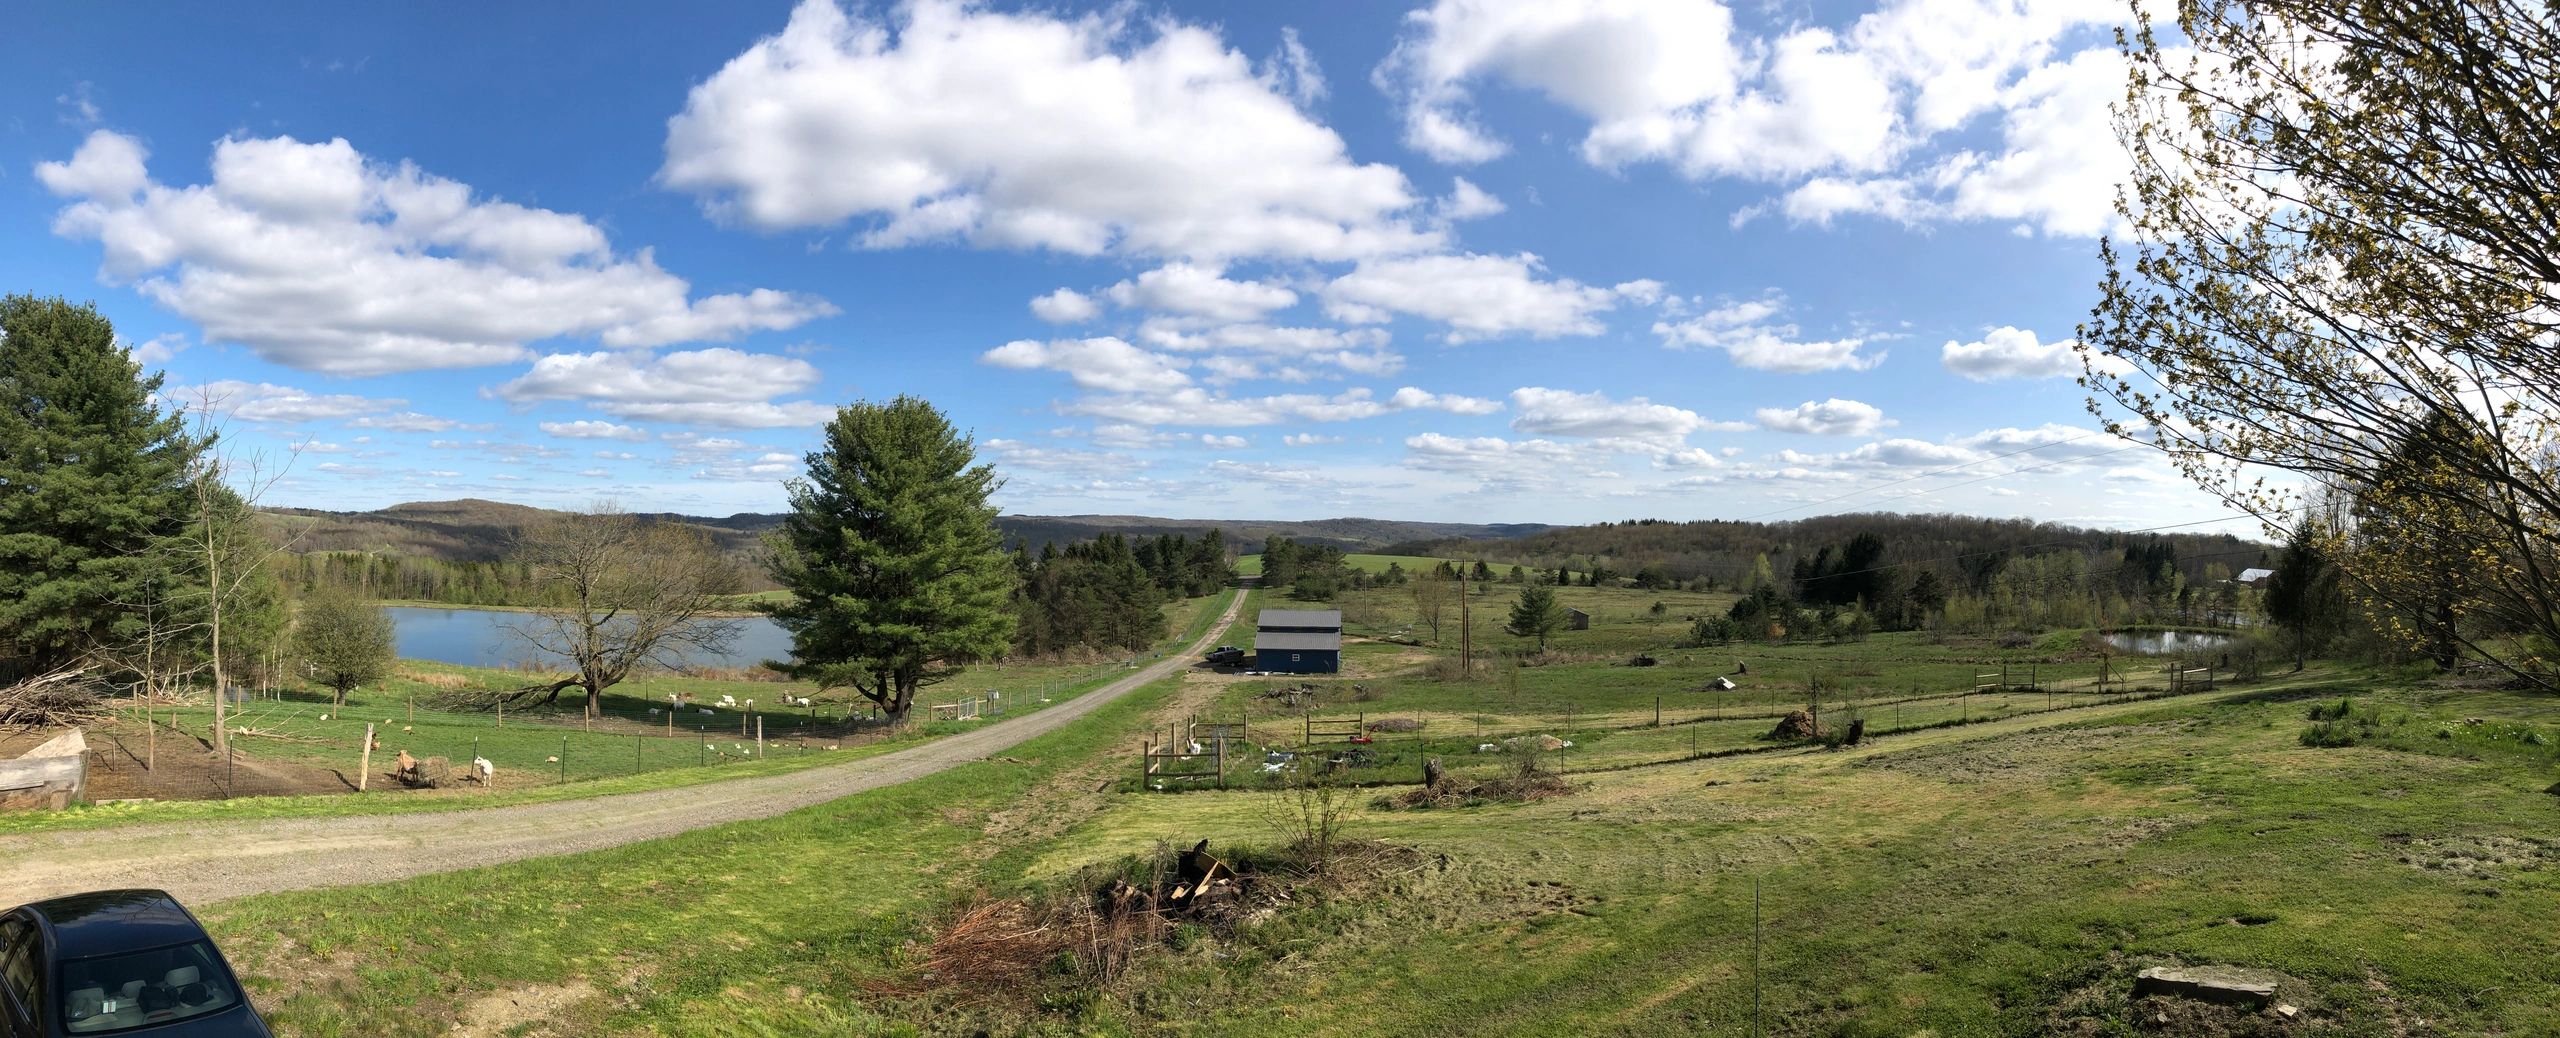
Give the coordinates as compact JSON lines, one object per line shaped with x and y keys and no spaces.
{"x":637,"y":594}
{"x":1434,"y":591}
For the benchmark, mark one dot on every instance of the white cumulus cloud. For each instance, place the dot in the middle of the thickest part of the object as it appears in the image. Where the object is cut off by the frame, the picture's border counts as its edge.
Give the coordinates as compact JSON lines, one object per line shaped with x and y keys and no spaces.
{"x":1857,"y":118}
{"x":1756,"y":336}
{"x":1105,"y":363}
{"x":1065,"y":306}
{"x":2007,"y":352}
{"x":1476,"y":296}
{"x":715,"y":387}
{"x":589,"y":429}
{"x":1199,"y":290}
{"x":1559,"y":412}
{"x":1833,"y":417}
{"x":1029,"y":130}
{"x":319,"y":258}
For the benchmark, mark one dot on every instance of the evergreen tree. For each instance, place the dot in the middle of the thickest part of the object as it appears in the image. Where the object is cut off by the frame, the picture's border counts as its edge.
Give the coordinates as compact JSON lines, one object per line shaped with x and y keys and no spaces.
{"x":1279,"y":561}
{"x":1535,"y":615}
{"x":1928,"y":595}
{"x":93,"y":475}
{"x":897,"y":575}
{"x":347,"y":642}
{"x":2305,"y":596}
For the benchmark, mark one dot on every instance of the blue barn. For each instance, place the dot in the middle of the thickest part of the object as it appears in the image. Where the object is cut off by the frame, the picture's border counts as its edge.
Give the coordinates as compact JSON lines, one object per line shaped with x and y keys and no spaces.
{"x":1298,"y":641}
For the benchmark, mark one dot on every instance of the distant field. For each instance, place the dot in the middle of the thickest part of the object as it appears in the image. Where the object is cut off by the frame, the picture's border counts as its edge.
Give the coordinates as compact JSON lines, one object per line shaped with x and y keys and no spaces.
{"x":1251,"y":565}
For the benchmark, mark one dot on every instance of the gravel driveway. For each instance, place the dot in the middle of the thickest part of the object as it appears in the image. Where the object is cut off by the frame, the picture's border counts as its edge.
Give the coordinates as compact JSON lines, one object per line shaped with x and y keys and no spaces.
{"x":210,"y":861}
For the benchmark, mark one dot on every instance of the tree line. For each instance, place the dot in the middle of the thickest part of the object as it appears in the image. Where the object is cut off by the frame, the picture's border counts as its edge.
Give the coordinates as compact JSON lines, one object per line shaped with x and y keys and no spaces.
{"x":1726,"y":555}
{"x":1110,"y":592}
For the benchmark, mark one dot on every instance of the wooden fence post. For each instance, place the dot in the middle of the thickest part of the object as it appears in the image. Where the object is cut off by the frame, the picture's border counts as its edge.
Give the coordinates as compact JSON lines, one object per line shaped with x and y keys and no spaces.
{"x":364,"y":769}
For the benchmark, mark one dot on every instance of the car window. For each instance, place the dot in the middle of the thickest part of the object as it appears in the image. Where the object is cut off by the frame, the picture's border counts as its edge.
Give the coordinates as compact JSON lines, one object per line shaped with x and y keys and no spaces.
{"x":18,"y":971}
{"x":143,"y":989}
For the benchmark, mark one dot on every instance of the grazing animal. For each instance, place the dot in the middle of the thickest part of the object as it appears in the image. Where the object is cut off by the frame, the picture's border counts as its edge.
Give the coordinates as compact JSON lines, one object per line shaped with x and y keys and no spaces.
{"x":482,"y":765}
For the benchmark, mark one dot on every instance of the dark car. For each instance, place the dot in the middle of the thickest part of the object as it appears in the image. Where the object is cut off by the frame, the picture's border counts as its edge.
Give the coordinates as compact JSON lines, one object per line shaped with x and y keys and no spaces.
{"x":117,"y":962}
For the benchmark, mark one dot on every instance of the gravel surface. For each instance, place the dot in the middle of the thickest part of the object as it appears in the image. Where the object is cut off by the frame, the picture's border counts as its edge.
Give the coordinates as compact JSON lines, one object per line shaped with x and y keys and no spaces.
{"x":211,"y":861}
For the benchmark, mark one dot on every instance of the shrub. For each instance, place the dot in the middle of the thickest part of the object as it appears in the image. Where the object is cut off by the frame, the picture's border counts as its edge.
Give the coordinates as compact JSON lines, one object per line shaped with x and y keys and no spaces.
{"x":2328,"y":734}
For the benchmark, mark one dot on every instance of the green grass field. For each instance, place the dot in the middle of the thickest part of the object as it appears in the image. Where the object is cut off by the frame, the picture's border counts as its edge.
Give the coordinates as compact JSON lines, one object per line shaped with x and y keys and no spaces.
{"x":1251,"y":565}
{"x":1988,"y":865}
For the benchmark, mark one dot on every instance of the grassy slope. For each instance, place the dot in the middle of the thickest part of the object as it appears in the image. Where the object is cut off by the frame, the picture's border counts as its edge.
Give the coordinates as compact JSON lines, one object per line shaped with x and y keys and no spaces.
{"x":759,"y":927}
{"x":1953,"y":882}
{"x":1956,"y":882}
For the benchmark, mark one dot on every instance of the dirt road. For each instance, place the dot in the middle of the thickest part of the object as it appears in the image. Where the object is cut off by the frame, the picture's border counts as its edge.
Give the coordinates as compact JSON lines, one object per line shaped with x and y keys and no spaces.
{"x":210,"y":861}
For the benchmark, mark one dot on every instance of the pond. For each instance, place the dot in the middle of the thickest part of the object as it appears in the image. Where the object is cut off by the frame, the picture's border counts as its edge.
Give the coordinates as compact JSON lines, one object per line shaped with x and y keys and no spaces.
{"x":2168,"y":643}
{"x":482,"y":638}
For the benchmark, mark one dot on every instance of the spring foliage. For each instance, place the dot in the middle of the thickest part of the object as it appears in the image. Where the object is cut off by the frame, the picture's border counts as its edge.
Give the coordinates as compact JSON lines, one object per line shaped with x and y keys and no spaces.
{"x":2339,"y":265}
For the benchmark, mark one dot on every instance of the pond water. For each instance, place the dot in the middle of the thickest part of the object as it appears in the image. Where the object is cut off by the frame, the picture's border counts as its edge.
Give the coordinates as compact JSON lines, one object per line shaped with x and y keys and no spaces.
{"x":481,"y":638}
{"x":2168,"y":643}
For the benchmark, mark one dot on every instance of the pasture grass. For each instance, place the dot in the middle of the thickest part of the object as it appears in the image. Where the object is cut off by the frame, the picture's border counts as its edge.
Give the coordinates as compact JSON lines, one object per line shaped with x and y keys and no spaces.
{"x":2004,"y":874}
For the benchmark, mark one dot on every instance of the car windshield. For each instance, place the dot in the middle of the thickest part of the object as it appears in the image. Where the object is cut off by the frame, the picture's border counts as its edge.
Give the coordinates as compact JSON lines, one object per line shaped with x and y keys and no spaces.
{"x":143,"y":989}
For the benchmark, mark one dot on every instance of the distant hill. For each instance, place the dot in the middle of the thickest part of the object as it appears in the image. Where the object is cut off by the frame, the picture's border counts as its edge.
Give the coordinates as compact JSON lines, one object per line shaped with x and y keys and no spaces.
{"x":474,"y":530}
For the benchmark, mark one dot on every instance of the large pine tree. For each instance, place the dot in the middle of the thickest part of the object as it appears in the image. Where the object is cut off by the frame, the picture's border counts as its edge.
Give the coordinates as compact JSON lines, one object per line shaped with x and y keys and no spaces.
{"x":93,"y":474}
{"x":897,"y":575}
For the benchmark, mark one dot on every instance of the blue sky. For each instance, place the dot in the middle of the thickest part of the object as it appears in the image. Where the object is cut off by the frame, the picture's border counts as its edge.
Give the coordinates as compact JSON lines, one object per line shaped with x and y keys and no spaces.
{"x":1543,"y":261}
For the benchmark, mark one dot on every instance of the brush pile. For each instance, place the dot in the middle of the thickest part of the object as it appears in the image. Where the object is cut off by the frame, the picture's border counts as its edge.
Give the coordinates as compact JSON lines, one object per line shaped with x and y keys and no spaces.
{"x":1797,"y":725}
{"x":1525,"y":781}
{"x":62,"y":699}
{"x":999,"y":949}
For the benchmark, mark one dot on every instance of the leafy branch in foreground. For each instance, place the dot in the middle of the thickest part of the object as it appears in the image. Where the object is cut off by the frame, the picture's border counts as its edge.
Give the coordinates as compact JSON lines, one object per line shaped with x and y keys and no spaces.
{"x":2340,"y":268}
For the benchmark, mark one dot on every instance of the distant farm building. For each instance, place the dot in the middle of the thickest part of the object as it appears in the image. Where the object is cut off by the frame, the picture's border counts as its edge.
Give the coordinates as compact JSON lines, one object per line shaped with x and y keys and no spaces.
{"x":1298,"y":641}
{"x":2254,"y":577}
{"x":1575,"y":619}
